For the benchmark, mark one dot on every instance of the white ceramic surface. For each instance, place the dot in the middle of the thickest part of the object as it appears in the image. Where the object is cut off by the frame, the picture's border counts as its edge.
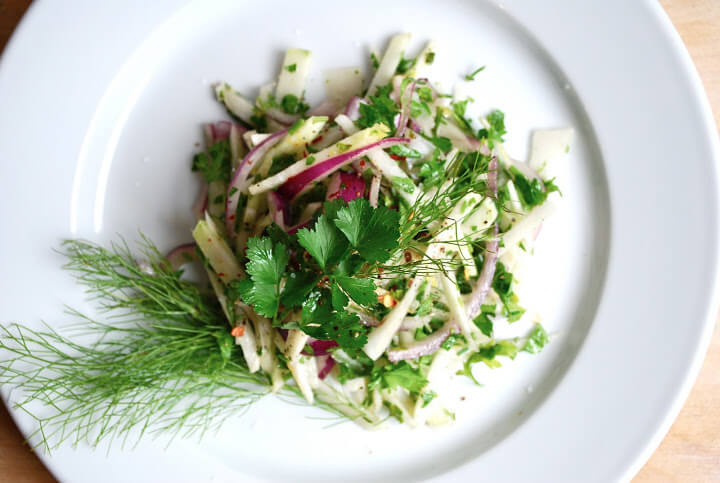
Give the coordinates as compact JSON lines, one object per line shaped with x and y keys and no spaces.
{"x":101,"y":109}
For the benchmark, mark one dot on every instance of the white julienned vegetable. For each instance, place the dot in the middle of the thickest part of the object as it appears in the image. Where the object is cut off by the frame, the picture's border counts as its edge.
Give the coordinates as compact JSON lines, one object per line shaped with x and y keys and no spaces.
{"x":216,"y":250}
{"x":380,"y":337}
{"x":358,"y":140}
{"x":343,"y":83}
{"x":547,"y":146}
{"x":346,"y":124}
{"x":390,"y":169}
{"x":234,"y":102}
{"x":424,"y":65}
{"x":294,"y":141}
{"x":294,"y":73}
{"x":393,"y":54}
{"x":246,"y":341}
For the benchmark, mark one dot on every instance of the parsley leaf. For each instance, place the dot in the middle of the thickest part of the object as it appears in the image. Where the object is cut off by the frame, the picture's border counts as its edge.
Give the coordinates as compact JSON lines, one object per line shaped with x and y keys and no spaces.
{"x":531,"y":192}
{"x":432,"y":173}
{"x":496,"y":129}
{"x":425,"y":94}
{"x":405,"y":65}
{"x":324,"y":242}
{"x":442,"y":143}
{"x":319,"y":320}
{"x":215,"y":163}
{"x":373,"y":232}
{"x":404,"y":151}
{"x":380,"y":109}
{"x":266,"y":267}
{"x":291,"y":104}
{"x":538,"y":339}
{"x":297,"y":286}
{"x":401,"y":374}
{"x":502,"y":285}
{"x":361,"y":290}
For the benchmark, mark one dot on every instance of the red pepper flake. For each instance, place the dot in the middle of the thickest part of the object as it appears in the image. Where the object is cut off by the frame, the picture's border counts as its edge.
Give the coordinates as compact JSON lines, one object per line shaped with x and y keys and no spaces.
{"x":362,"y":164}
{"x":408,"y":256}
{"x":318,"y":139}
{"x":221,"y":274}
{"x":397,"y":158}
{"x":209,"y":240}
{"x":380,"y":270}
{"x":237,"y":331}
{"x":231,"y":217}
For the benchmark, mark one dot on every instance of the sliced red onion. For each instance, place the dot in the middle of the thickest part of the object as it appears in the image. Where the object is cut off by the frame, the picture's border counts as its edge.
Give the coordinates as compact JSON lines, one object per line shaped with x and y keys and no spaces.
{"x":374,"y":191}
{"x":346,"y":186}
{"x":298,"y":184}
{"x":217,"y":131}
{"x":201,"y":203}
{"x":320,"y":347}
{"x":482,"y":286}
{"x":279,"y":209}
{"x":428,"y":345}
{"x":405,"y":100}
{"x":353,"y":108}
{"x":182,"y":254}
{"x":327,"y":367}
{"x":239,"y":182}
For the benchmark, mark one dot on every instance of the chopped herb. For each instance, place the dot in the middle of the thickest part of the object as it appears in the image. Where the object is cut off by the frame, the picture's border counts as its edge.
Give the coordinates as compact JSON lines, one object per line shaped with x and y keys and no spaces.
{"x":430,"y":57}
{"x":310,"y":160}
{"x":381,"y":108}
{"x":291,"y":67}
{"x":427,"y":397}
{"x":296,"y":125}
{"x":471,"y":76}
{"x":215,"y":163}
{"x":404,"y":151}
{"x":291,"y":104}
{"x":537,"y":340}
{"x":405,"y":65}
{"x":374,"y":60}
{"x":425,"y":94}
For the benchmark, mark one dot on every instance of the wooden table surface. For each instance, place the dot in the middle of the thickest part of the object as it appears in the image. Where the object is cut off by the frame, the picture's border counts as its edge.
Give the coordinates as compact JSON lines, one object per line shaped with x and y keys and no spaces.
{"x":691,"y":450}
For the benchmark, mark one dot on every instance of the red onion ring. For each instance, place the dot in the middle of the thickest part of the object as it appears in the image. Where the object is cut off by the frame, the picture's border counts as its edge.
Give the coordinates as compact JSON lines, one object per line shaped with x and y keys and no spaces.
{"x":201,"y":203}
{"x":405,"y":100}
{"x":182,"y":254}
{"x":279,"y":209}
{"x":298,"y":184}
{"x":426,"y":346}
{"x":482,"y":287}
{"x":239,"y":182}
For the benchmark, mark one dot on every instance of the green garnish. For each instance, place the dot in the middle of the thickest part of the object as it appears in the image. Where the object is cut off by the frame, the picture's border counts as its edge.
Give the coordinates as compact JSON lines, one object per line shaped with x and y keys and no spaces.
{"x":291,"y":67}
{"x":471,"y":76}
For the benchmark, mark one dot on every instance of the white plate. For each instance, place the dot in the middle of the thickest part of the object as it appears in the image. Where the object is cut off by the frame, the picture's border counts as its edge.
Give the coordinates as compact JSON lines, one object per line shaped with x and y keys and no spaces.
{"x":101,"y":107}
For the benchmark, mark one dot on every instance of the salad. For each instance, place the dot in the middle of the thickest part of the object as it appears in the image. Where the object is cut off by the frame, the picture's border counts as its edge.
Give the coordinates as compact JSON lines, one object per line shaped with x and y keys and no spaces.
{"x":355,"y":253}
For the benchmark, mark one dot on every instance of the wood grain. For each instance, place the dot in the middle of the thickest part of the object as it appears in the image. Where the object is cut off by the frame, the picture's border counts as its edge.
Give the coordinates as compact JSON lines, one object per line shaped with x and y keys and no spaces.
{"x":691,"y":450}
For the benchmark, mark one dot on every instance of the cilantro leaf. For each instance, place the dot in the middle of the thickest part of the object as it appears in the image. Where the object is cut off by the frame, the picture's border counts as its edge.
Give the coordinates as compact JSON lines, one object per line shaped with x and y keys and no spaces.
{"x":405,"y":65}
{"x":502,"y":285}
{"x":403,"y":183}
{"x":297,"y":286}
{"x":442,"y":143}
{"x":291,"y":104}
{"x":339,"y":299}
{"x":496,"y":129}
{"x":425,"y":94}
{"x":432,"y":173}
{"x":381,"y":108}
{"x":319,"y":320}
{"x":538,"y":339}
{"x":400,"y":374}
{"x":361,"y":290}
{"x":404,"y":151}
{"x":531,"y":192}
{"x":324,"y":242}
{"x":266,"y":267}
{"x":459,"y":109}
{"x":215,"y":163}
{"x":373,"y":232}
